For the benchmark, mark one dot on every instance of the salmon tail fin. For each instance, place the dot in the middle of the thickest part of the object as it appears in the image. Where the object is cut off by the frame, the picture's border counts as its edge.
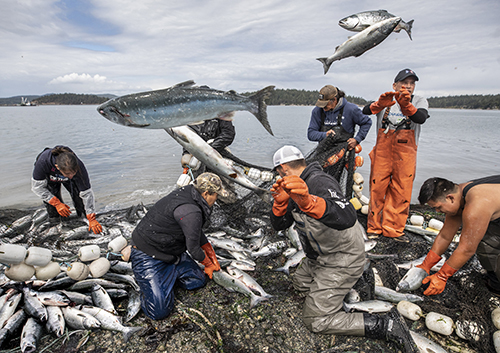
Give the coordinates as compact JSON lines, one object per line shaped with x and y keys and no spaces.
{"x":129,"y":331}
{"x":255,"y":299}
{"x":283,"y":269}
{"x":326,"y":65}
{"x":409,"y":25}
{"x":258,"y":99}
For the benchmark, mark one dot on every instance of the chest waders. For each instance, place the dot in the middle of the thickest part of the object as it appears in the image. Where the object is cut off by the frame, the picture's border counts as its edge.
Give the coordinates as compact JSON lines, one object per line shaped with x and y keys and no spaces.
{"x":346,"y":160}
{"x":393,"y":164}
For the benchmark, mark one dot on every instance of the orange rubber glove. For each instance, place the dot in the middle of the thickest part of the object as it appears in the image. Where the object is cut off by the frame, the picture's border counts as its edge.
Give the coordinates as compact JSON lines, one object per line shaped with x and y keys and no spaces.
{"x":93,"y":224}
{"x":281,"y":198}
{"x":430,"y":260}
{"x":209,"y":266}
{"x":209,"y":251}
{"x":404,"y":100}
{"x":384,"y":101}
{"x":438,"y":280}
{"x":61,"y":208}
{"x":312,"y":205}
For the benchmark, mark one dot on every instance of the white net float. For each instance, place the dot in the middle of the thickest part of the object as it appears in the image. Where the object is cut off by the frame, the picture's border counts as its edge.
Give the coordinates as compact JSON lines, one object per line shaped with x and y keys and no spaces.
{"x":358,"y":178}
{"x":495,"y":317}
{"x":364,"y":209}
{"x":36,"y":256}
{"x":435,"y":224}
{"x":266,"y":176}
{"x":357,"y":188}
{"x":439,"y":323}
{"x":417,"y":220}
{"x":184,"y":179}
{"x":99,"y":267}
{"x":20,"y":272}
{"x":44,"y":273}
{"x":194,"y":163}
{"x":12,"y":254}
{"x":116,"y":245}
{"x":78,"y":271}
{"x":89,"y":253}
{"x":364,"y":200}
{"x":253,"y":173}
{"x":410,"y":310}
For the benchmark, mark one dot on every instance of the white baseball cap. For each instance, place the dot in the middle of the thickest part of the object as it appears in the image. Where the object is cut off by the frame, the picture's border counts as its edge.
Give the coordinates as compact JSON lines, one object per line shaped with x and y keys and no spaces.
{"x":286,"y":154}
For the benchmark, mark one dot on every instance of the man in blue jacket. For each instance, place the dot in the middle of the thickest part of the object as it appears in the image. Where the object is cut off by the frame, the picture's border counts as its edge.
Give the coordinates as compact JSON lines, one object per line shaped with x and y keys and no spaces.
{"x":333,"y":114}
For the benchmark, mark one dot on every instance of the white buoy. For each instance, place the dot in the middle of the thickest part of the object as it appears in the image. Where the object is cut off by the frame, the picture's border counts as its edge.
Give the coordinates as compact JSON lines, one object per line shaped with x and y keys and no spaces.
{"x":253,"y":173}
{"x":495,"y":317}
{"x":364,"y":200}
{"x":78,"y":271}
{"x":36,"y":256}
{"x":99,"y":267}
{"x":266,"y":176}
{"x":357,"y":188}
{"x":410,"y":310}
{"x":364,"y":209}
{"x":116,"y":245}
{"x":475,"y":330}
{"x":184,"y":179}
{"x":435,"y":224}
{"x":194,"y":163}
{"x":44,"y":273}
{"x":89,"y":253}
{"x":12,"y":254}
{"x":496,"y":341}
{"x":358,"y":178}
{"x":20,"y":272}
{"x":417,"y":220}
{"x":439,"y":323}
{"x":185,"y":159}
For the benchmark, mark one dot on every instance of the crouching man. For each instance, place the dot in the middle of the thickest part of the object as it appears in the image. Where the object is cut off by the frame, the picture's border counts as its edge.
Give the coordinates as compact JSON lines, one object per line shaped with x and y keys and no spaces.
{"x":335,"y":256}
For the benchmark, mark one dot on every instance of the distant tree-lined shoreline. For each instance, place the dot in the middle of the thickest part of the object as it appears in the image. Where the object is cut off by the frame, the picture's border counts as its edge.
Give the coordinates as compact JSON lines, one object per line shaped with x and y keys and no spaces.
{"x":279,"y":97}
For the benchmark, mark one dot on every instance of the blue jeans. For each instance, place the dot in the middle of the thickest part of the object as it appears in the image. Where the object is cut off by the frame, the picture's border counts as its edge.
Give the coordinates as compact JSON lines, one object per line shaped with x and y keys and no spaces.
{"x":157,"y":279}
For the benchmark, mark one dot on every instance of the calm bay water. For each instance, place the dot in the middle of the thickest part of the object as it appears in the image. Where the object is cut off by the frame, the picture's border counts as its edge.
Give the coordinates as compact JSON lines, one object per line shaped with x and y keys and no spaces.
{"x":129,"y":165}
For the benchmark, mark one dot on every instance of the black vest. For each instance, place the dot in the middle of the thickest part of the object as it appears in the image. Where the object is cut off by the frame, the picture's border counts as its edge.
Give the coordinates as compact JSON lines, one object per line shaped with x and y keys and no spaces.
{"x":158,"y":234}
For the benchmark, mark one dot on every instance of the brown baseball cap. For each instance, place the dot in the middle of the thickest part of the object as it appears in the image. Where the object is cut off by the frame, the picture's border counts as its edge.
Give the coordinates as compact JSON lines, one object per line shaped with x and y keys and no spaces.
{"x":210,"y":182}
{"x":326,"y":94}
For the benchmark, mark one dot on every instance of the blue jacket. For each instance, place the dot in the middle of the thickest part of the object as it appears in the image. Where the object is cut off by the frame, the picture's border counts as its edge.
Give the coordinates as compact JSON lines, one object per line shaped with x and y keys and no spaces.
{"x":351,"y":117}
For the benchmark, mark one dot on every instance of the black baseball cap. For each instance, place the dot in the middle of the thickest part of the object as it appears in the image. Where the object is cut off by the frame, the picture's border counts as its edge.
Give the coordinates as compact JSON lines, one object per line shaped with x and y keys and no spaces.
{"x":404,"y":74}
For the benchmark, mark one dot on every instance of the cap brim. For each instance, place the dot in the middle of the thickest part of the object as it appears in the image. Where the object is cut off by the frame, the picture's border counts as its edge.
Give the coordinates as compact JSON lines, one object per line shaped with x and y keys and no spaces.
{"x":222,"y":192}
{"x":320,"y":103}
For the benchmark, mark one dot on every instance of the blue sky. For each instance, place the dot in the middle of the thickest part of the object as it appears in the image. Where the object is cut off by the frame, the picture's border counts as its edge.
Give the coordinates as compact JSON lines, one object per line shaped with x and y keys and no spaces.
{"x":122,"y":46}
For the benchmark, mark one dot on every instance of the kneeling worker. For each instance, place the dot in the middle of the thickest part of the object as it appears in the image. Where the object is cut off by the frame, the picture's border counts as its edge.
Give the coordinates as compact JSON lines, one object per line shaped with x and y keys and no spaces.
{"x":162,"y":238}
{"x":333,"y":242}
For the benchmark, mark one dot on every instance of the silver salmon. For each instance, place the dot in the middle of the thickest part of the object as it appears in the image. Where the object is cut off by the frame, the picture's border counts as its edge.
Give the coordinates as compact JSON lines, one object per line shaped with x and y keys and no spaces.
{"x":199,"y":148}
{"x":362,"y":20}
{"x":233,"y":284}
{"x":182,"y":104}
{"x":362,"y":41}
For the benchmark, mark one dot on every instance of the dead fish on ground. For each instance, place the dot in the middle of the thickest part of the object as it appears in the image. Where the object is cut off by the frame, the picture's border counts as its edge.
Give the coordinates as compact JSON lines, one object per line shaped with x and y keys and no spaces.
{"x":233,"y":284}
{"x":271,"y":249}
{"x":292,"y":262}
{"x":394,"y":296}
{"x":248,"y":280}
{"x":369,"y":306}
{"x":412,"y":280}
{"x":110,"y":322}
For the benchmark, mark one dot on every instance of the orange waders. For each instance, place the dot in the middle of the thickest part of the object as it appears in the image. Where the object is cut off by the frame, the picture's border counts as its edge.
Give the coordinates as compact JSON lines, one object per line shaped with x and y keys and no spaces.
{"x":393,"y":164}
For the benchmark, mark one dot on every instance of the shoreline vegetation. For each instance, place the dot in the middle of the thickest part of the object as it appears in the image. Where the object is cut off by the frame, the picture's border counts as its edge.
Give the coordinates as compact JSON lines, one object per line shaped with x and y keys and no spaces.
{"x":287,"y":97}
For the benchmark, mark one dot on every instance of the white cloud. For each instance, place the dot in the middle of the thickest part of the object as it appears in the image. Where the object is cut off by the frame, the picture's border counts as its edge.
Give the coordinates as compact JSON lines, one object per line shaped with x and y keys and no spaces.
{"x":123,"y":46}
{"x":79,"y":78}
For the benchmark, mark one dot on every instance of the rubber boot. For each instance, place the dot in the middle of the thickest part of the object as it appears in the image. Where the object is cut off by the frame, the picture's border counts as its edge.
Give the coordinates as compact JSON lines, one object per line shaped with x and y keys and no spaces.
{"x":390,"y":327}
